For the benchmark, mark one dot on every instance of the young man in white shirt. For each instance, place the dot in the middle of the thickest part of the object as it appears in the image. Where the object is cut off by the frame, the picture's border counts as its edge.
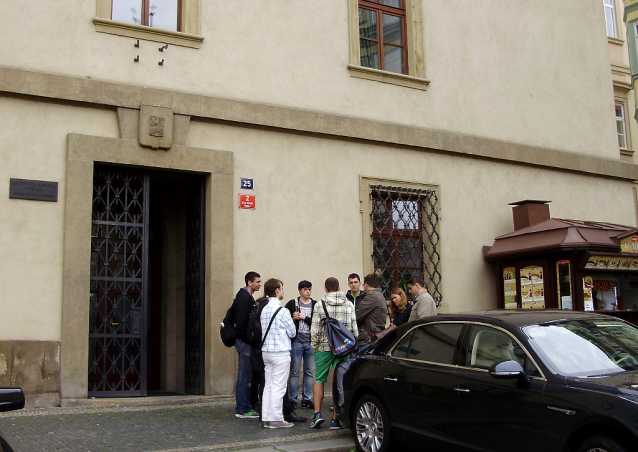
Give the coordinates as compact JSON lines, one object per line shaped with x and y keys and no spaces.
{"x":276,"y":354}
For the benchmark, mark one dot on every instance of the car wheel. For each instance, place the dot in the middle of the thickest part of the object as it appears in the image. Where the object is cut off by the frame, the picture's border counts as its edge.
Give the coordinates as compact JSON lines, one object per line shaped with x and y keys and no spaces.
{"x":371,"y":425}
{"x":600,"y":444}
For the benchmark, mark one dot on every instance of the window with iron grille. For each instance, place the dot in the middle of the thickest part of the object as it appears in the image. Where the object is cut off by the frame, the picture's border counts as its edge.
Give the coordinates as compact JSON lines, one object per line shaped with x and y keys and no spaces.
{"x":405,"y":237}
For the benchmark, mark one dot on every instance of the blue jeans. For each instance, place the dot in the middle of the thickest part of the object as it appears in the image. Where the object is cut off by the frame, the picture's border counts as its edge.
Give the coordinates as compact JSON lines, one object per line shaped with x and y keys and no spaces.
{"x":244,"y":375}
{"x":301,"y":351}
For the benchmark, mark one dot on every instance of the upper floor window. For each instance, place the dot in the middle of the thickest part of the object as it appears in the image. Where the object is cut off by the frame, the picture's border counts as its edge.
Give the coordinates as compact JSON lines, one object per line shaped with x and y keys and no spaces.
{"x":610,"y":18}
{"x":386,"y":42}
{"x":162,"y":14}
{"x":620,"y":126}
{"x":382,"y":35}
{"x":167,"y":21}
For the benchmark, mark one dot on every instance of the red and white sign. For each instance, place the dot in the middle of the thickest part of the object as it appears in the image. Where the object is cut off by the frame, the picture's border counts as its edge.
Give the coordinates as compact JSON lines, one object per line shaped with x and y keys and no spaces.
{"x":246,"y":201}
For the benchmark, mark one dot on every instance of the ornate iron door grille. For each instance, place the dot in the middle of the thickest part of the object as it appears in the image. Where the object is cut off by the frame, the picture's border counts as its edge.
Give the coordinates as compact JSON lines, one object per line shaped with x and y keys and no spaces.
{"x":119,"y":283}
{"x":405,"y":237}
{"x":195,"y":289}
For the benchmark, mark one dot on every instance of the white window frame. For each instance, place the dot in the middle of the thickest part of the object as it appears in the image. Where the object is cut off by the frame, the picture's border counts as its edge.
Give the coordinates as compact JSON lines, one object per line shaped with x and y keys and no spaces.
{"x":621,"y":120}
{"x":610,"y":18}
{"x":414,"y":42}
{"x":188,"y":37}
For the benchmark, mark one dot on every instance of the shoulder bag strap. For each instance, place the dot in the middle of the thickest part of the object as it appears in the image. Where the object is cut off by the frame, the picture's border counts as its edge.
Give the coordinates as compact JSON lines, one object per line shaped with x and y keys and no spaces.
{"x":272,"y":319}
{"x":324,"y":308}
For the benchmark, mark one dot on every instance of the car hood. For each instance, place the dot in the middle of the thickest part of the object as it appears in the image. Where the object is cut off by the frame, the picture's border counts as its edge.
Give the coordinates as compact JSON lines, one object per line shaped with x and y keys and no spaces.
{"x":623,"y":383}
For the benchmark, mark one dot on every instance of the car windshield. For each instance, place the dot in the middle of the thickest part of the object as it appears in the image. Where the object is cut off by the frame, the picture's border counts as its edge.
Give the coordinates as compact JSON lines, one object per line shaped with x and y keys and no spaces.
{"x":586,"y":347}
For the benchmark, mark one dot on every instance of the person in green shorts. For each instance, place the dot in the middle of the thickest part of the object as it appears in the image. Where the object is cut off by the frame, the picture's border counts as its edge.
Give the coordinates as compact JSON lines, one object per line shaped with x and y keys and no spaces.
{"x":339,"y":307}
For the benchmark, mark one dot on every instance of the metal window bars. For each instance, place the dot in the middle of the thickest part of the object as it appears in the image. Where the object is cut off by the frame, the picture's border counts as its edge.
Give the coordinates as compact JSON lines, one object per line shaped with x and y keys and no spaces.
{"x":405,"y":237}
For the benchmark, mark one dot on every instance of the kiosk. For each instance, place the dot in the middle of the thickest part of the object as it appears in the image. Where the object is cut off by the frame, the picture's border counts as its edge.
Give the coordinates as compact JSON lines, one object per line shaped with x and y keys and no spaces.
{"x":552,"y":263}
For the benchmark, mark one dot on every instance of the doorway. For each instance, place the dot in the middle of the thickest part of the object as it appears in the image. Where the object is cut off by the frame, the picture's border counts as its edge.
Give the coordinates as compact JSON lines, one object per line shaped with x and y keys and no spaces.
{"x":147,"y":266}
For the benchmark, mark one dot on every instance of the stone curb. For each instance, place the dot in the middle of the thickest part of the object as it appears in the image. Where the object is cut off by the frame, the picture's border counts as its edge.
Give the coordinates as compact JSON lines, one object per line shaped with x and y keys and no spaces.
{"x":331,"y":445}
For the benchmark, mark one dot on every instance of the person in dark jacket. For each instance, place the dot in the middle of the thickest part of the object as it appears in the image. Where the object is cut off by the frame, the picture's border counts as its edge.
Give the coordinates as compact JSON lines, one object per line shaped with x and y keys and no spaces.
{"x":399,"y":307}
{"x":242,"y":305}
{"x":371,"y":312}
{"x":301,"y":309}
{"x":355,"y":294}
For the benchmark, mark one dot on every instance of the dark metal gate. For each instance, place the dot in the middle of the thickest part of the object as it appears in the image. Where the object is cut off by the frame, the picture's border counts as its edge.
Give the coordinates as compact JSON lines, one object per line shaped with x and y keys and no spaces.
{"x":194,"y":352}
{"x":405,"y":237}
{"x":119,"y":251}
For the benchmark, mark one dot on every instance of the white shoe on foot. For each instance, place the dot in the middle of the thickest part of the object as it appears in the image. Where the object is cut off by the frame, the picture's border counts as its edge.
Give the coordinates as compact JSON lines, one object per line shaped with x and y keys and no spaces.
{"x":280,"y":424}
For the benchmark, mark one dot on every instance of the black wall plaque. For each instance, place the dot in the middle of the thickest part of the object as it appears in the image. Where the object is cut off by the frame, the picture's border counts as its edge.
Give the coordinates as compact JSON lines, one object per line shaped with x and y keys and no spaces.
{"x":37,"y":190}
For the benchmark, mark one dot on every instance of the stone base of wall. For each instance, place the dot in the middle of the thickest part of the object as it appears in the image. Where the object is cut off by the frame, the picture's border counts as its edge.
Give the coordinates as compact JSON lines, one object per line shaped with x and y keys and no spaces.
{"x":35,"y":367}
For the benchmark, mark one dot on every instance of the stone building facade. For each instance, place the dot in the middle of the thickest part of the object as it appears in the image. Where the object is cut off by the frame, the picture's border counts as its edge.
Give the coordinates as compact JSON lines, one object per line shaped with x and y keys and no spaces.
{"x":220,"y":139}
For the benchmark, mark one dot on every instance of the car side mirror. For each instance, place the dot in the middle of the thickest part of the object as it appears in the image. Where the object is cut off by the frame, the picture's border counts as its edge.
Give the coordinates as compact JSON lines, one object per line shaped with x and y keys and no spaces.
{"x":509,"y":369}
{"x":11,"y":398}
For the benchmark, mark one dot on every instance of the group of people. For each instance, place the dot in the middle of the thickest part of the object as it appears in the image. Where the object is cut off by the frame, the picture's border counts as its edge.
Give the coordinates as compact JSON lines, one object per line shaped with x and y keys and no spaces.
{"x":268,"y":374}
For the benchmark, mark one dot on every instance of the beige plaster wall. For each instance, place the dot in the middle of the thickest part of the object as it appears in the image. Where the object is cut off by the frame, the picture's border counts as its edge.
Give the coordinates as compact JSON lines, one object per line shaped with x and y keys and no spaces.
{"x":529,"y":73}
{"x":307,"y":224}
{"x":33,"y":146}
{"x":294,"y":234}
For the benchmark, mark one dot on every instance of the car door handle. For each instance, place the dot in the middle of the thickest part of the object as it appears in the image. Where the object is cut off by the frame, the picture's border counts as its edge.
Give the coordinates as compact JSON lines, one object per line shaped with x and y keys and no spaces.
{"x":461,"y":389}
{"x":390,"y":378}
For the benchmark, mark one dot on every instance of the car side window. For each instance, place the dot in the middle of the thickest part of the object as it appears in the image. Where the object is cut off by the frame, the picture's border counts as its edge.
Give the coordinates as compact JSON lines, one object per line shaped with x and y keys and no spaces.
{"x":437,"y":343}
{"x":401,"y":349}
{"x":488,"y":346}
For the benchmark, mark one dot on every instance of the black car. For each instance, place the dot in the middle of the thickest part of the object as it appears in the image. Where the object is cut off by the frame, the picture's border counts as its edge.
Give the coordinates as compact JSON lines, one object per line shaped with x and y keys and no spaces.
{"x":539,"y":381}
{"x":11,"y":398}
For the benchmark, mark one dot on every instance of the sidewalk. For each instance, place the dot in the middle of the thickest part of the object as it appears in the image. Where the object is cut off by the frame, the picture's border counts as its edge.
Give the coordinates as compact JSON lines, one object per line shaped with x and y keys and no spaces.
{"x":162,"y":424}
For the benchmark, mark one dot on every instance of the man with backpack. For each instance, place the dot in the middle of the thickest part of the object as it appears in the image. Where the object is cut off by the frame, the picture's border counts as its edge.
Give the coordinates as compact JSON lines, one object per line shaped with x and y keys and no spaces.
{"x":335,"y":305}
{"x":301,"y":309}
{"x":242,"y":306}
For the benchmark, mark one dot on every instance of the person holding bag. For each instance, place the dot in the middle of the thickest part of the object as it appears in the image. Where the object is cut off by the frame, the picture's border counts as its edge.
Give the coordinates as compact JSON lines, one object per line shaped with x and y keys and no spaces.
{"x":336,"y":306}
{"x":277,"y":330}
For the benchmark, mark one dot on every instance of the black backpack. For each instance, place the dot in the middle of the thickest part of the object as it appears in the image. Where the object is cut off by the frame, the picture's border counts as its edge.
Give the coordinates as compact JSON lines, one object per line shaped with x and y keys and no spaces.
{"x":227,"y":328}
{"x":253,"y":330}
{"x":342,"y":341}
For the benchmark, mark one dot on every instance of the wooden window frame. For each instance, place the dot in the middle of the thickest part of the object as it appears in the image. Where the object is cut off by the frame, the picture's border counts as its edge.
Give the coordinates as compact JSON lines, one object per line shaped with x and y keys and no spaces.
{"x":389,"y":231}
{"x":414,"y":43}
{"x":380,"y":9}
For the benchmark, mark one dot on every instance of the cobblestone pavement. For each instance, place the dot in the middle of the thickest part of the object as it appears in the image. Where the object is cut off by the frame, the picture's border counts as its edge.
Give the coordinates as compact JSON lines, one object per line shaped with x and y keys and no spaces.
{"x":201,"y":424}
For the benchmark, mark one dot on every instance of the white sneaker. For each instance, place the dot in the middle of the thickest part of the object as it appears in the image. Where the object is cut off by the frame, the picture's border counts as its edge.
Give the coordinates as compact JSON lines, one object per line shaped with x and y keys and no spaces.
{"x":280,"y":424}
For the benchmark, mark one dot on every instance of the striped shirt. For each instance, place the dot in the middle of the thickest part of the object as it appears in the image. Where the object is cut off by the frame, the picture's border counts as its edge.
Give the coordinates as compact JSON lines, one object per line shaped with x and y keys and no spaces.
{"x":282,"y":329}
